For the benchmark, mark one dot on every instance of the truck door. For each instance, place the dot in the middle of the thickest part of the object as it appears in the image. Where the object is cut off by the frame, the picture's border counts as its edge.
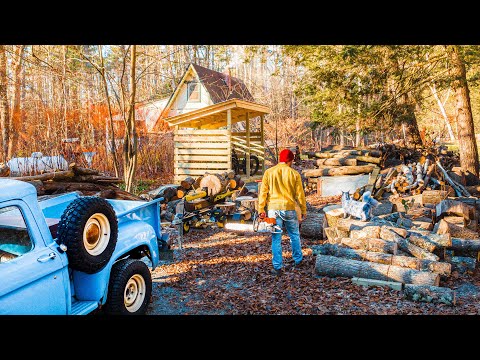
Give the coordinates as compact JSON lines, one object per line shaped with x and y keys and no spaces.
{"x":31,"y":273}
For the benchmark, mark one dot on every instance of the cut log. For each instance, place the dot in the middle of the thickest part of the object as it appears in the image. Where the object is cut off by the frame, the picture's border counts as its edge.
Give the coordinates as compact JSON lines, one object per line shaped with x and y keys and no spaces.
{"x":439,"y":241}
{"x":332,"y":266}
{"x":422,"y":241}
{"x":181,"y":192}
{"x":428,"y":293}
{"x":415,"y":250}
{"x":444,"y":227}
{"x":196,"y":184}
{"x":187,"y":183}
{"x":57,"y":176}
{"x":463,"y":264}
{"x":389,"y":232}
{"x":369,"y":159}
{"x":383,"y":208}
{"x":38,"y":184}
{"x":78,"y":170}
{"x":455,"y":220}
{"x":442,"y":268}
{"x":367,"y":232}
{"x":106,"y":194}
{"x":51,"y":186}
{"x":377,"y":245}
{"x":353,"y":224}
{"x":215,"y":183}
{"x":454,"y":208}
{"x":465,"y":245}
{"x":421,"y":223}
{"x":336,"y":162}
{"x":372,"y":282}
{"x":230,"y":174}
{"x":330,"y":233}
{"x":312,"y":227}
{"x":333,"y":213}
{"x":339,"y":171}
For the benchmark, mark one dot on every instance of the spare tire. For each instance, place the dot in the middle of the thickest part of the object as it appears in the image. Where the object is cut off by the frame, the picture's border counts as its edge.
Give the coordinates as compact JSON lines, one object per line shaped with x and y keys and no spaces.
{"x":89,"y":229}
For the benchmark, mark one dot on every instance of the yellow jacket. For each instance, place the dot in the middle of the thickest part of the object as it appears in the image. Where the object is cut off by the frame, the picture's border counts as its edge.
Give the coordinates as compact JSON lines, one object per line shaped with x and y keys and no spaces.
{"x":280,"y":189}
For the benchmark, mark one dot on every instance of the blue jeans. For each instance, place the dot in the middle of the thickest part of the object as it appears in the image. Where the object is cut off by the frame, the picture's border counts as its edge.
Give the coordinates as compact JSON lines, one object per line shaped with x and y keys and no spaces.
{"x":289,"y":218}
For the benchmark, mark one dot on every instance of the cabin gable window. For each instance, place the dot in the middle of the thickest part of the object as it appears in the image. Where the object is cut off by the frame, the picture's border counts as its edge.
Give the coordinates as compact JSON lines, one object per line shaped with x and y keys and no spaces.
{"x":193,"y":91}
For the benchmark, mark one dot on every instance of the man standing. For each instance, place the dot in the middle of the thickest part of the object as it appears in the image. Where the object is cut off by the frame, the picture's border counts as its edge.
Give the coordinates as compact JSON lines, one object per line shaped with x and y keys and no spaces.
{"x":280,"y":190}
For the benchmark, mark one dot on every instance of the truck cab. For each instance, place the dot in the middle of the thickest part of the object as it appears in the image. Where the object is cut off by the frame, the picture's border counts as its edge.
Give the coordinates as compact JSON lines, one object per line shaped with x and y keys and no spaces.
{"x":72,"y":255}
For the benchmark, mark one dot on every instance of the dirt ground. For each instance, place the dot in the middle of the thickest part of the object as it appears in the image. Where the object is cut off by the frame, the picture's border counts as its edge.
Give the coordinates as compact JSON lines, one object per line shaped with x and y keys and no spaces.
{"x":226,"y":273}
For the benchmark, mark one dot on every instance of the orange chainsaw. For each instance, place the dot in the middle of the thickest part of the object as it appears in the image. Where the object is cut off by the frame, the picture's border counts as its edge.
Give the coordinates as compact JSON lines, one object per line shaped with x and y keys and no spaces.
{"x":265,"y":224}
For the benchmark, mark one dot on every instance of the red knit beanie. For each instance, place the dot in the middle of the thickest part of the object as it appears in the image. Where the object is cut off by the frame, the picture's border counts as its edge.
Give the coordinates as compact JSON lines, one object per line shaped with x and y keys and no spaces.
{"x":286,"y":155}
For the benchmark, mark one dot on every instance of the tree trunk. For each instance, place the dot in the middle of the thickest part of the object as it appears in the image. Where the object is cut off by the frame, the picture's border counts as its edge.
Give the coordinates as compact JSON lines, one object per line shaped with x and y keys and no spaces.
{"x":466,"y":132}
{"x":326,"y":265}
{"x":16,"y":117}
{"x":130,"y":140}
{"x":426,"y":293}
{"x":4,"y":104}
{"x":339,"y":171}
{"x":113,"y":147}
{"x":442,"y":268}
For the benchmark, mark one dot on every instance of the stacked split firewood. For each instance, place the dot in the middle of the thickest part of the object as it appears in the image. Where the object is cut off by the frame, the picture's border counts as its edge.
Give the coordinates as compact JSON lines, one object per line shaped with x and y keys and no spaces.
{"x":418,"y":248}
{"x":83,"y":180}
{"x":206,"y":186}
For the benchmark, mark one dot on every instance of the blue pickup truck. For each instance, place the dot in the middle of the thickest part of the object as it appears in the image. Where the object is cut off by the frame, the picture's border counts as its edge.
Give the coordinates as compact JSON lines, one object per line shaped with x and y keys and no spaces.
{"x":72,"y":254}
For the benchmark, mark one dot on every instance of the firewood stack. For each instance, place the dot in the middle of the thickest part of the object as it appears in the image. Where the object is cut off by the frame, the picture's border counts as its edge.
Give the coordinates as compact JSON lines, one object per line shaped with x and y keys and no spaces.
{"x":418,"y":247}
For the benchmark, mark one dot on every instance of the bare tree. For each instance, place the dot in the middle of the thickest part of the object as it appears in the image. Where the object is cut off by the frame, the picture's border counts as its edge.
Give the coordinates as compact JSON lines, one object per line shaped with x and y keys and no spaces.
{"x":16,"y":117}
{"x":130,"y":139}
{"x":5,"y":109}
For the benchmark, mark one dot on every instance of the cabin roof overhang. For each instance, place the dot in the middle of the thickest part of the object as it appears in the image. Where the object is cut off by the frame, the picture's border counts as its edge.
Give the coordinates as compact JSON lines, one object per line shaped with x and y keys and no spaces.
{"x":215,"y":116}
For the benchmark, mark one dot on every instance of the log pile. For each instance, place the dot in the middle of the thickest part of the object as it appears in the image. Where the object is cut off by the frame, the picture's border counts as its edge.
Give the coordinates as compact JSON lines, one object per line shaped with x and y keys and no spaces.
{"x":340,"y":162}
{"x":88,"y":182}
{"x":198,"y":193}
{"x":419,"y":245}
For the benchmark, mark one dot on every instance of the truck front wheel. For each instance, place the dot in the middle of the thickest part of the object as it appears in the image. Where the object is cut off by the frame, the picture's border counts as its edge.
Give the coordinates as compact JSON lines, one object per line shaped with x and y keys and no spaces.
{"x":129,"y":289}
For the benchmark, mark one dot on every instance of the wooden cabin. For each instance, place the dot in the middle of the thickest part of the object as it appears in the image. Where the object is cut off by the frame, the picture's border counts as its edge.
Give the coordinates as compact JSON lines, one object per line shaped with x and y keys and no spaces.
{"x":212,"y":114}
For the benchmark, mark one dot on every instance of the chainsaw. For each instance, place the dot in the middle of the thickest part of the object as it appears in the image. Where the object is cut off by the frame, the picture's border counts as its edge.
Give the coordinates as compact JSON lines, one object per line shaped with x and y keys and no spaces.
{"x":265,"y":224}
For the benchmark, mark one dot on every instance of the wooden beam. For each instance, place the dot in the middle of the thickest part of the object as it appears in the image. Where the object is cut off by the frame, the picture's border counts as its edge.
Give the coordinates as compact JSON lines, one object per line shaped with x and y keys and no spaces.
{"x":247,"y":154}
{"x":229,"y":129}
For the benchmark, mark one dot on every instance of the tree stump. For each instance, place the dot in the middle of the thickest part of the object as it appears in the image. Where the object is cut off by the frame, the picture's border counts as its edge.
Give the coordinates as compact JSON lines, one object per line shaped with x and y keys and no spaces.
{"x":333,"y":213}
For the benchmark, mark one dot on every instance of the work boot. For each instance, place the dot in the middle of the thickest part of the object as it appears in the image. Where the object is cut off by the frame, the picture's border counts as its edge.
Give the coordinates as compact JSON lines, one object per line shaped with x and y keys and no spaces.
{"x":276,"y":272}
{"x":295,"y":265}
